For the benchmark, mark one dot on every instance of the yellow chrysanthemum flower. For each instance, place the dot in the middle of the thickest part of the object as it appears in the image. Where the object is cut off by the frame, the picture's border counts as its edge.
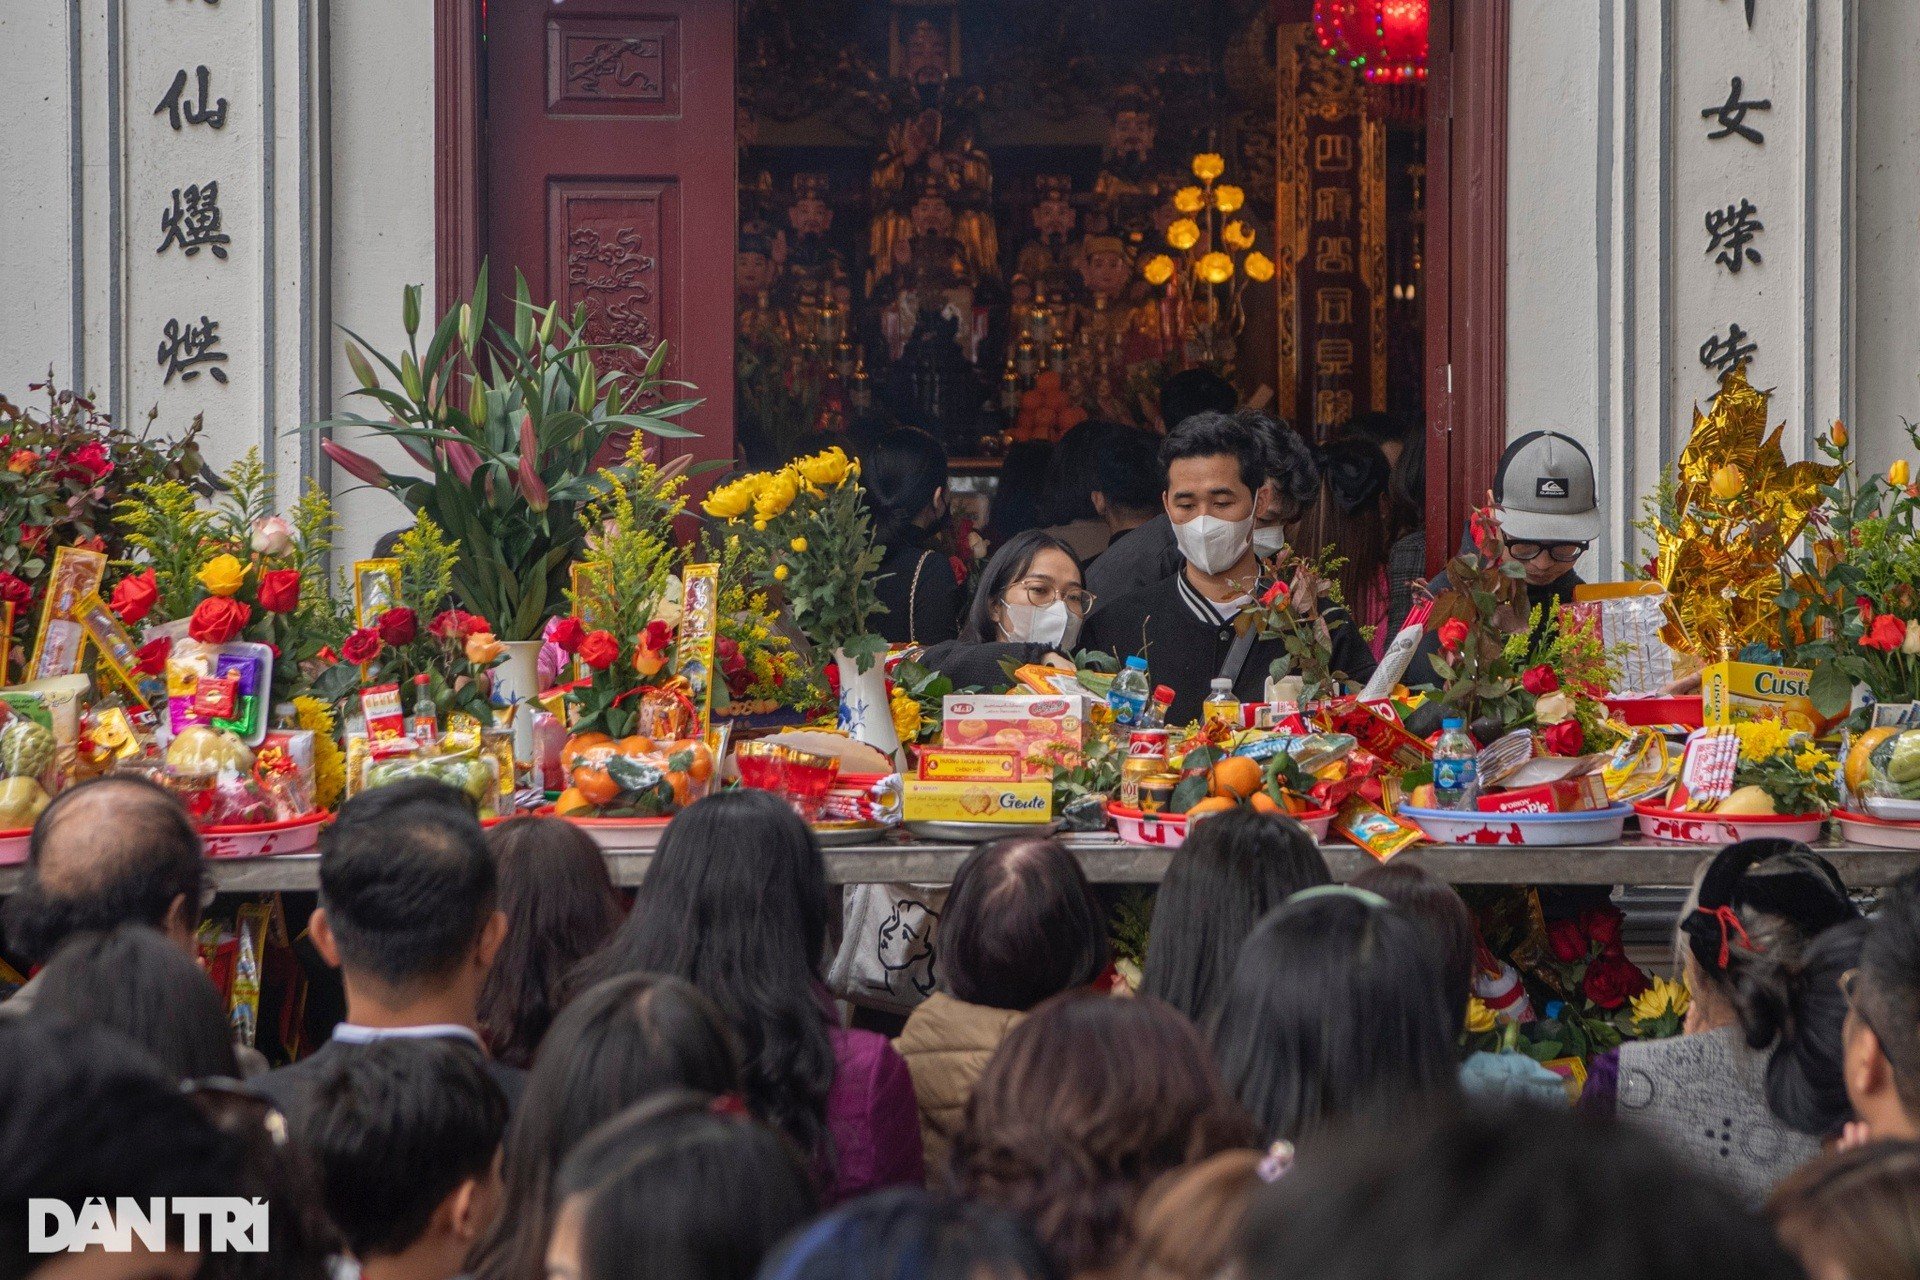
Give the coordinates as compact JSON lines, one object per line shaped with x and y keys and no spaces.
{"x":1157,"y":270}
{"x":223,"y":575}
{"x":1227,"y":197}
{"x":1663,"y":997}
{"x":1237,"y":235}
{"x":1183,"y":233}
{"x":1189,"y":200}
{"x":329,"y":762}
{"x":827,"y":470}
{"x":733,"y":499}
{"x":1258,"y":266}
{"x":1209,"y":165}
{"x":906,"y":715}
{"x":776,"y":494}
{"x":1214,"y":268}
{"x":1480,"y":1019}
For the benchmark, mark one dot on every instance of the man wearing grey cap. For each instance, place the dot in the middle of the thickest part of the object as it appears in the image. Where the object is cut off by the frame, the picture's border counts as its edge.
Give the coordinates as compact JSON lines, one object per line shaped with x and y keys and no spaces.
{"x":1544,"y":498}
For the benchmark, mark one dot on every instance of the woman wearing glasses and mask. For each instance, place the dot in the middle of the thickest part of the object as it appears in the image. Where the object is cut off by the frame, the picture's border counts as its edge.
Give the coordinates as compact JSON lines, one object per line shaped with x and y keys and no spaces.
{"x":1028,"y":608}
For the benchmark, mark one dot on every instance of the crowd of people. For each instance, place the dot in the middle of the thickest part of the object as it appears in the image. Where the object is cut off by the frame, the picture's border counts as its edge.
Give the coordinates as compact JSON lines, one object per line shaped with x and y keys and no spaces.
{"x":529,"y":1083}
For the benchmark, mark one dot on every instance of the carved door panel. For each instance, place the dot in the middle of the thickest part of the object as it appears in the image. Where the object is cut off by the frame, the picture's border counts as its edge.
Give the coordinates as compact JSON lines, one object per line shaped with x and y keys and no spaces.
{"x":610,"y":177}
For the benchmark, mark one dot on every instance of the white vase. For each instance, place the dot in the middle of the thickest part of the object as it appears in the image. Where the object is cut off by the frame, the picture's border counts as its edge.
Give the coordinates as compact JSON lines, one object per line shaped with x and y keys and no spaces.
{"x":864,"y":711}
{"x":516,"y":682}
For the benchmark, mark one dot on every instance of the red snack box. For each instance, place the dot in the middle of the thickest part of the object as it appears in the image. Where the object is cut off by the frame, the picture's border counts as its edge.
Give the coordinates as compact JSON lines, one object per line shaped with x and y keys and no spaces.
{"x":969,"y":764}
{"x":1377,"y":731}
{"x":1569,"y":795}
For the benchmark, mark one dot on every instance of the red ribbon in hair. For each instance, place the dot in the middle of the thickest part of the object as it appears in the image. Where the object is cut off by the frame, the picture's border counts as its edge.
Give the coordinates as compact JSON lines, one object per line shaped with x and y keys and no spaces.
{"x":728,"y":1104}
{"x":1729,"y":925}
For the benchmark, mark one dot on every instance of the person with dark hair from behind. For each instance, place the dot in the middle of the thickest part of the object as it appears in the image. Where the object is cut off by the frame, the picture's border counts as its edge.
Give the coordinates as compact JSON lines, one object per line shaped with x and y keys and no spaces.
{"x":1854,"y":1214}
{"x":89,"y":1114}
{"x":1017,"y":490}
{"x":1499,"y":1194}
{"x":908,"y":1234}
{"x":303,"y":1244}
{"x":682,"y":1186}
{"x":1021,"y":924}
{"x":1407,"y":557}
{"x":1431,"y":903}
{"x":1028,"y":608}
{"x":408,"y":914}
{"x":1337,"y":1008}
{"x":1191,"y":391}
{"x":560,"y":906}
{"x":1085,"y":1103}
{"x":1186,"y":1226}
{"x":1232,"y":870}
{"x":1744,"y":938}
{"x":616,"y":1044}
{"x":1126,"y":480}
{"x":116,"y":850}
{"x":1217,"y":473}
{"x":405,"y":1138}
{"x":1073,"y":477}
{"x":736,"y":902}
{"x":1882,"y":1034}
{"x":904,"y":474}
{"x":1350,"y":518}
{"x":134,"y":981}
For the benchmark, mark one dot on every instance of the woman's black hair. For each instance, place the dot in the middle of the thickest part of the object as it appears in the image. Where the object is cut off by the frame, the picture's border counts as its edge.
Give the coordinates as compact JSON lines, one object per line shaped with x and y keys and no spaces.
{"x":1356,"y":472}
{"x":901,"y":471}
{"x":1017,"y":490}
{"x":678,"y":1187}
{"x":1407,"y":487}
{"x":561,"y":906}
{"x":1233,"y":869}
{"x":1012,"y":562}
{"x":1433,"y":904}
{"x":1337,"y":1008}
{"x":1760,"y":902}
{"x":617,"y":1043}
{"x":736,"y":903}
{"x":1020,"y":925}
{"x":911,"y":1234}
{"x":1806,"y":1073}
{"x":1348,"y":518}
{"x":1074,"y":473}
{"x":136,"y":981}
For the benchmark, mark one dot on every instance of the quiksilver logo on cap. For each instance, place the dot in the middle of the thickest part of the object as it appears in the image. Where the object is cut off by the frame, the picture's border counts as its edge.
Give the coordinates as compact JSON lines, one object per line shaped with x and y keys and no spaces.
{"x":1550,"y":487}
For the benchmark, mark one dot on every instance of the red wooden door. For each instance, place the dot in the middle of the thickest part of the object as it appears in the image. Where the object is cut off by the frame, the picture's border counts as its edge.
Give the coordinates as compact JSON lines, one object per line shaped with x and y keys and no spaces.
{"x":610,"y":177}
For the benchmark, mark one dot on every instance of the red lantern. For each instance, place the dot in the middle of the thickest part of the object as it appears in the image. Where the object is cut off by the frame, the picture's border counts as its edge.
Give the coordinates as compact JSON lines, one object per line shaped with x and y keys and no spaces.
{"x":1384,"y":40}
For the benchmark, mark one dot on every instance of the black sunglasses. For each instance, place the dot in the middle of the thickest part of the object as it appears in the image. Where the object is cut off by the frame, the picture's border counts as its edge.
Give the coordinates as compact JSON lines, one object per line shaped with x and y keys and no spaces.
{"x":1562,"y":552}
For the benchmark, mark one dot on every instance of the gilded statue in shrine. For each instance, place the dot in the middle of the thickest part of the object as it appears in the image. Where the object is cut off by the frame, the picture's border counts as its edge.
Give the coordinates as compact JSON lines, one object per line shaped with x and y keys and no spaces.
{"x":1116,"y":326}
{"x":1131,"y":193}
{"x":1048,"y":260}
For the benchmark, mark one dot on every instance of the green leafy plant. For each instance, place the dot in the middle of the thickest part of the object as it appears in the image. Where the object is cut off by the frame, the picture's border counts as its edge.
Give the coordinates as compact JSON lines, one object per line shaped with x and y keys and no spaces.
{"x":515,"y":432}
{"x":1292,"y":606}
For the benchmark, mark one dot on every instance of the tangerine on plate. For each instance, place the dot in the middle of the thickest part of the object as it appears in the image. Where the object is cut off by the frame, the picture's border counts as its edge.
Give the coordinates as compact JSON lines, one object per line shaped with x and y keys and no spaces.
{"x":570,"y":801}
{"x":578,"y":743}
{"x":1212,"y":804}
{"x":635,"y":744}
{"x":594,"y":785}
{"x":1261,"y":802}
{"x":1237,"y":777}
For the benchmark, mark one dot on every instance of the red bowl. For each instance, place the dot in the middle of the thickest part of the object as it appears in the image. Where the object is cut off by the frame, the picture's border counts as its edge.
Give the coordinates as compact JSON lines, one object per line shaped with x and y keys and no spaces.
{"x":1683,"y":709}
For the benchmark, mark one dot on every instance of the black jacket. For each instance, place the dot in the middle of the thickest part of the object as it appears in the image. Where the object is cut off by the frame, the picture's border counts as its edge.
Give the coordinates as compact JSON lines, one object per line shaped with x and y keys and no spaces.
{"x":290,"y":1087}
{"x":1186,"y":653}
{"x":977,"y":666}
{"x":916,"y":556}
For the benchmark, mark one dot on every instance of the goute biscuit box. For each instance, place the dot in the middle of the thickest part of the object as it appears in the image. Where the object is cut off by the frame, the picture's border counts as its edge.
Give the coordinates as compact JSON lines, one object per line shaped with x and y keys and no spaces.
{"x":1009,"y":802}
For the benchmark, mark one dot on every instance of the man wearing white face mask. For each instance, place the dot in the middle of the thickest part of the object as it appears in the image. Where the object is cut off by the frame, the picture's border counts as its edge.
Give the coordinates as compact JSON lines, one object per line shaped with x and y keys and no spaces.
{"x":1217,"y":493}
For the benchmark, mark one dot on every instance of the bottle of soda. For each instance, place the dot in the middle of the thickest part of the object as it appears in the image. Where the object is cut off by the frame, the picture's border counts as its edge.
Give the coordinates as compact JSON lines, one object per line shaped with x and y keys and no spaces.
{"x":426,"y":717}
{"x":1456,"y":769}
{"x":1129,"y":694}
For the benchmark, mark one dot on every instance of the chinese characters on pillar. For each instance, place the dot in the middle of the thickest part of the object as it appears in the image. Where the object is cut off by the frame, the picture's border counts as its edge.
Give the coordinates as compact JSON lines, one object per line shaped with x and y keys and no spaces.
{"x":1731,"y":229}
{"x":1332,"y":297}
{"x":191,"y":222}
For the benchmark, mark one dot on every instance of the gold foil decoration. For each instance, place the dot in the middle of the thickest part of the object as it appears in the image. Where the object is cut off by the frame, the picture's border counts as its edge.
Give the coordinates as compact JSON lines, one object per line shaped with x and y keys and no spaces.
{"x":1721,"y":560}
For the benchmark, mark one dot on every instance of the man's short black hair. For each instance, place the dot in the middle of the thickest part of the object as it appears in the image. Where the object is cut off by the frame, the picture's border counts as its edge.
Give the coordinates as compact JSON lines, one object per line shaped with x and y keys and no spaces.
{"x":1127,"y":469}
{"x":1212,"y":435}
{"x":116,"y":850}
{"x":1192,"y":391}
{"x":88,"y":1113}
{"x":1889,"y":986}
{"x":1021,"y":924}
{"x":393,"y":1128}
{"x":1501,"y":1195}
{"x":407,"y":881}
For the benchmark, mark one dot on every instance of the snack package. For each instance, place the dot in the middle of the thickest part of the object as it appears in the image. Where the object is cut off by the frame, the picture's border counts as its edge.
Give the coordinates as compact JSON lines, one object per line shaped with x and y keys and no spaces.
{"x":969,"y":764}
{"x":1731,"y":691}
{"x":1044,"y":724}
{"x":1706,"y":769}
{"x":1378,"y":731}
{"x":1890,"y":789}
{"x":1380,"y":833}
{"x":76,"y":574}
{"x":1010,"y":802}
{"x":472,"y":772}
{"x":284,"y":765}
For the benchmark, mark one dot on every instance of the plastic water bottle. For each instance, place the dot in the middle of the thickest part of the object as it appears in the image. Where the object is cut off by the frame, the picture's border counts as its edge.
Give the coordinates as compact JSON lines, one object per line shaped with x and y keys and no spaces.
{"x":1129,"y":693}
{"x":1456,"y":780}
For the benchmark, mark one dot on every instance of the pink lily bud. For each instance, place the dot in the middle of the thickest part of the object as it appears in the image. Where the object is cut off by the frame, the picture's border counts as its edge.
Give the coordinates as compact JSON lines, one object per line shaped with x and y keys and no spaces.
{"x":357,"y":465}
{"x":531,"y":486}
{"x":463,"y":458}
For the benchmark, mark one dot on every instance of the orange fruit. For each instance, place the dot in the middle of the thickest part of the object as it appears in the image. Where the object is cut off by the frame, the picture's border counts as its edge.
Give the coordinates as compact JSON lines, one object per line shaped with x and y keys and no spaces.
{"x":570,"y":801}
{"x":1264,"y":803}
{"x":682,"y":788}
{"x":592,"y":782}
{"x":1237,"y":777}
{"x":701,"y":766}
{"x":1212,"y":804}
{"x":578,"y":743}
{"x":634,"y":744}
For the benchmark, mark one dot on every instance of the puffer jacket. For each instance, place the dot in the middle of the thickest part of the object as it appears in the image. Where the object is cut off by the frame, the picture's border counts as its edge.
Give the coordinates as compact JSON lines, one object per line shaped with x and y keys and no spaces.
{"x":946,"y":1043}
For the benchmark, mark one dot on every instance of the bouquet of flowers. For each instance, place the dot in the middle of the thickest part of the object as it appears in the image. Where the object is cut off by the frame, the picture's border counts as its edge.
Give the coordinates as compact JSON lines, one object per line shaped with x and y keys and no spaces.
{"x":1854,"y":604}
{"x":1780,"y":771}
{"x":760,"y":669}
{"x":232,"y":570}
{"x":1290,"y":607}
{"x":451,"y":648}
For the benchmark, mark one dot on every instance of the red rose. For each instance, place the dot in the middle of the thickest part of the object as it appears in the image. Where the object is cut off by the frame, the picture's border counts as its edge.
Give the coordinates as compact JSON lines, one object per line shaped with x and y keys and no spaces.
{"x":1611,"y":981}
{"x":218,"y":619}
{"x":280,"y":590}
{"x":656,"y":637}
{"x":362,"y":646}
{"x":1865,"y":606}
{"x":599,"y":650}
{"x":733,"y":663}
{"x":1602,"y":924}
{"x":92,"y":459}
{"x":1277,"y":593}
{"x":1453,"y":633}
{"x":398,"y":626}
{"x":832,"y":675}
{"x":567,"y":633}
{"x":1886,"y":634}
{"x":472,"y":624}
{"x":33,"y":536}
{"x":1539,"y":680}
{"x":1564,"y":739}
{"x":15,"y":590}
{"x":134,"y":596}
{"x":1568,"y":941}
{"x":327,"y":654}
{"x":152,"y":656}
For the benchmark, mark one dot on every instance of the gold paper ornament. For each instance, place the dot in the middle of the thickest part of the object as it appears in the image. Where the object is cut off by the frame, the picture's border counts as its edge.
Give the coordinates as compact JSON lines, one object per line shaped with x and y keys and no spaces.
{"x":1738,"y":507}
